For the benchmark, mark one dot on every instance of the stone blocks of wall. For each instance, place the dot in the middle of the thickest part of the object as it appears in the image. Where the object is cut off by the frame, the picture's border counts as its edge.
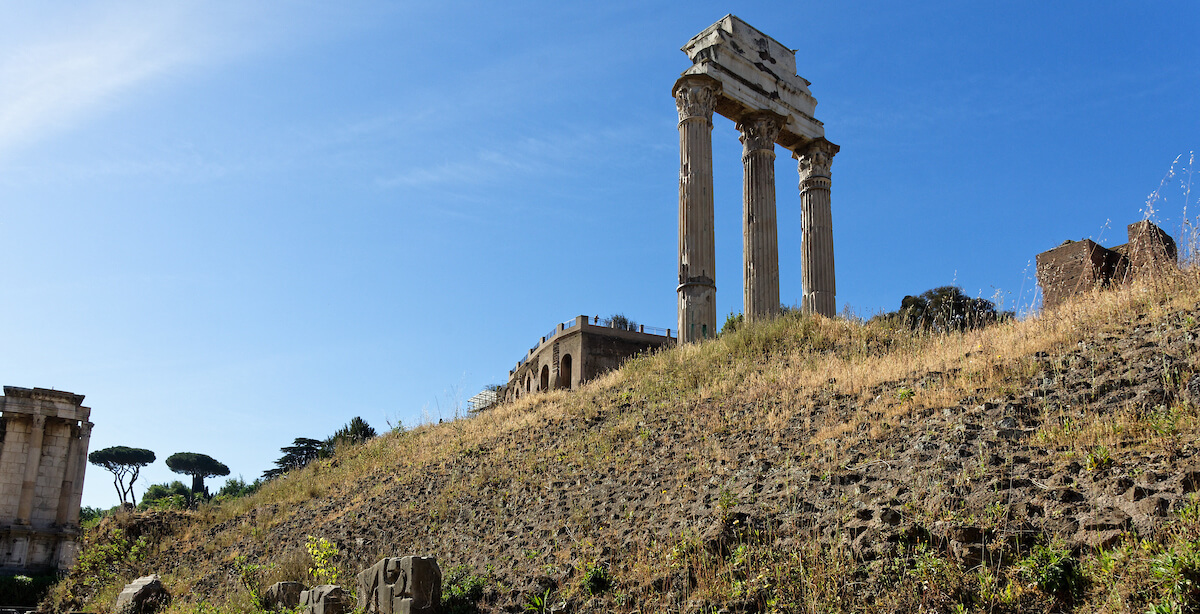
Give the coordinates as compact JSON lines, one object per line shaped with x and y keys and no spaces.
{"x":1149,"y":248}
{"x":44,"y":438}
{"x":577,"y":354}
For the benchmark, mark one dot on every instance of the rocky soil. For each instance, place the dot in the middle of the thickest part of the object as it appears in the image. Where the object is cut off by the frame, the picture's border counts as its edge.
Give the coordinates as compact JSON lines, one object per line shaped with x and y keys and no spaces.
{"x":981,"y":477}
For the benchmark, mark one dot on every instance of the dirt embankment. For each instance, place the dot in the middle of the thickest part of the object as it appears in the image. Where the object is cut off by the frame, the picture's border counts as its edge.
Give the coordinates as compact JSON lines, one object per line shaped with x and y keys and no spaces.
{"x":1083,"y":445}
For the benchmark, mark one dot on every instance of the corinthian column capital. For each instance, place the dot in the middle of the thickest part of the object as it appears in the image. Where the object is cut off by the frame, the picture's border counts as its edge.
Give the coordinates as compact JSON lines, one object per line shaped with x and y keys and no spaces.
{"x":759,"y":131}
{"x":815,"y":160}
{"x":696,"y":97}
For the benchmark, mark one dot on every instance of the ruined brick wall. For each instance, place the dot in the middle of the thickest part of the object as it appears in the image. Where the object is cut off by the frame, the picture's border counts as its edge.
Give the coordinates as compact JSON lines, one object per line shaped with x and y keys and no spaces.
{"x":588,"y":349}
{"x":1149,"y":248}
{"x":1080,"y":266}
{"x":607,"y":352}
{"x":1070,"y":268}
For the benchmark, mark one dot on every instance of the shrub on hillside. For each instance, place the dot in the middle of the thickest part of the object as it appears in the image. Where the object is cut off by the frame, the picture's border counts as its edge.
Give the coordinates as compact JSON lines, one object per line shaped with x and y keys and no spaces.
{"x":354,"y":432}
{"x":166,"y":496}
{"x":944,"y":309}
{"x":620,"y":322}
{"x":237,"y":487}
{"x":24,"y":591}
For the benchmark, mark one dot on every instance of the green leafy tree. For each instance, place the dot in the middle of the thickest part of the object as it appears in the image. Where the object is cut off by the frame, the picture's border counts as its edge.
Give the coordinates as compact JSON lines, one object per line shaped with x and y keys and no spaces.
{"x":170,"y":496}
{"x":237,"y":487}
{"x":620,"y":322}
{"x":303,"y":451}
{"x":124,"y":463}
{"x":732,"y":322}
{"x":159,"y":491}
{"x":354,"y":432}
{"x":199,"y":466}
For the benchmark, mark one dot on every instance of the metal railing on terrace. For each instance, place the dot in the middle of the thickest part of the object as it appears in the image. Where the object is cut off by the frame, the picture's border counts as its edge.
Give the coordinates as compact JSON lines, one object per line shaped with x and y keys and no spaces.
{"x":654,"y":330}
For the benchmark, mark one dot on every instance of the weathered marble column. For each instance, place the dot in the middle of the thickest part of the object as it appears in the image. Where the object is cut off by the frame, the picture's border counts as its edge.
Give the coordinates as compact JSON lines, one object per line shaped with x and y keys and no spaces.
{"x":67,"y":488}
{"x":32,"y":463}
{"x":760,"y":238}
{"x":85,"y":437}
{"x":695,"y":97}
{"x":816,"y":232}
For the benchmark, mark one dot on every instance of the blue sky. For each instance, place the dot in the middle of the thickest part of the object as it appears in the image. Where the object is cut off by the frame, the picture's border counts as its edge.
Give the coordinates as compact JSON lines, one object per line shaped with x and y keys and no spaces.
{"x":230,"y":226}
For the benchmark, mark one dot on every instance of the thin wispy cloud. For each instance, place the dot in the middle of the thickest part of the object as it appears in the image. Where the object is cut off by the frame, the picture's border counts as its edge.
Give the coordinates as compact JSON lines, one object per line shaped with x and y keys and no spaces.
{"x":73,"y":69}
{"x":62,"y":67}
{"x":566,"y":152}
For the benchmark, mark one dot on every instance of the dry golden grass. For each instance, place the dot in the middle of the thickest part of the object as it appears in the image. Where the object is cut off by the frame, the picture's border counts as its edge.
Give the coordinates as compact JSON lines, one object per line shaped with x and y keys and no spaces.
{"x":791,"y":371}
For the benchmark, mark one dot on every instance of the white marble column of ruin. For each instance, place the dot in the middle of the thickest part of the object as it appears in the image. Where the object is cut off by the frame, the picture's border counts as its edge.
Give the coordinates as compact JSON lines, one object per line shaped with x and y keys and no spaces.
{"x":695,"y":98}
{"x":816,"y":232}
{"x":85,"y":437}
{"x":67,"y":489}
{"x":32,"y":463}
{"x":760,"y":239}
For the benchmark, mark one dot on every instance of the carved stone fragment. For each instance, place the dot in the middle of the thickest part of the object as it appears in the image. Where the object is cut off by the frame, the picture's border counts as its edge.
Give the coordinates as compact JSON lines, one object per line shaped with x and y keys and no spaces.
{"x":401,"y":585}
{"x":324,"y":599}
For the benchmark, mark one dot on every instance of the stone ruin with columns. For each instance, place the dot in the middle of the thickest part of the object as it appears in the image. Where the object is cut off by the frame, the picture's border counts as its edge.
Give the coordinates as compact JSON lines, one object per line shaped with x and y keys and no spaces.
{"x":44,"y":438}
{"x":750,"y":78}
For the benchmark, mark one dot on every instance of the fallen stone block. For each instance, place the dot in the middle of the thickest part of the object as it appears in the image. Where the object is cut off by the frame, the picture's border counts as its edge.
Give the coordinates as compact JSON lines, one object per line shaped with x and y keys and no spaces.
{"x":145,"y":595}
{"x":324,"y":599}
{"x":282,"y":596}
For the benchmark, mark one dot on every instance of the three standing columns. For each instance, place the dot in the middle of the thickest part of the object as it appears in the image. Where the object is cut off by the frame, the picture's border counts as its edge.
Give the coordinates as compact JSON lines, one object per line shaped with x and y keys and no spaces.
{"x":695,"y":98}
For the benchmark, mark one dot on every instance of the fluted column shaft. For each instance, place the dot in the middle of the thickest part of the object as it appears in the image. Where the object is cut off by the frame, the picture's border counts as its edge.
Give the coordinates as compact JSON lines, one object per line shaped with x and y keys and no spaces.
{"x":67,"y":488}
{"x":816,"y":233}
{"x":695,"y":97}
{"x":32,"y":464}
{"x":85,"y":437}
{"x":760,"y":237}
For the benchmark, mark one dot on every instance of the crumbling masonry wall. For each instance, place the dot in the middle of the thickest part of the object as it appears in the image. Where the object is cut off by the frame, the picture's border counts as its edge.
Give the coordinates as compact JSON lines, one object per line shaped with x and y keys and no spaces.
{"x":1079,"y":266}
{"x":44,"y":437}
{"x":578,"y":351}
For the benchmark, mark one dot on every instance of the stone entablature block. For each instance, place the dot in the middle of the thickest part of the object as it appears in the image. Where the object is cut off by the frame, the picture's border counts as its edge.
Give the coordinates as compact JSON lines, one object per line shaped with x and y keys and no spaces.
{"x":757,"y":74}
{"x":145,"y":595}
{"x":324,"y":599}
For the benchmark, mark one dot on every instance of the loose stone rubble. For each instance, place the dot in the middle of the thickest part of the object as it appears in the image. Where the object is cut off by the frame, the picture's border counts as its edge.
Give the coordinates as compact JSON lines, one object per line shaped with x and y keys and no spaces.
{"x":394,"y":585}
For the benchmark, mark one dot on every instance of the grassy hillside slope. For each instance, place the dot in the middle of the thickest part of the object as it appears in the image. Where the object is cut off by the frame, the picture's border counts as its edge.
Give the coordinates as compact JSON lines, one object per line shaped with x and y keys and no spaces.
{"x":803,"y":465}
